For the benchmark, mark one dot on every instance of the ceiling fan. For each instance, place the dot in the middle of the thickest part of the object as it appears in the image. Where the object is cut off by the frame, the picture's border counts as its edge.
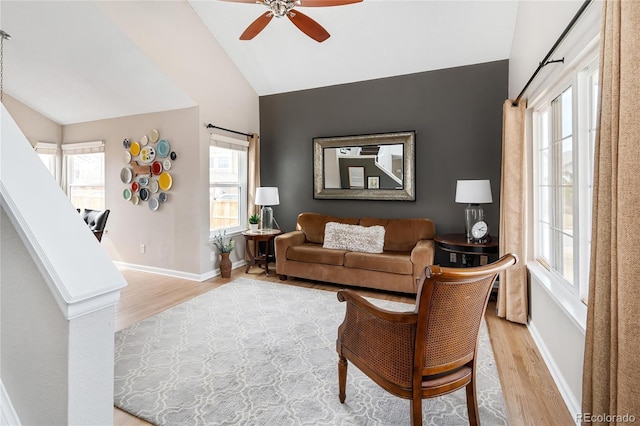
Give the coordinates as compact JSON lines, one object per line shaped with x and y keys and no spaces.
{"x":280,"y":8}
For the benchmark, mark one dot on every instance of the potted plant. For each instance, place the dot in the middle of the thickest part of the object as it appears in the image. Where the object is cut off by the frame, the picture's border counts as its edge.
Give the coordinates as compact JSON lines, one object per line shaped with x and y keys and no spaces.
{"x":254,"y":219}
{"x":225,"y":247}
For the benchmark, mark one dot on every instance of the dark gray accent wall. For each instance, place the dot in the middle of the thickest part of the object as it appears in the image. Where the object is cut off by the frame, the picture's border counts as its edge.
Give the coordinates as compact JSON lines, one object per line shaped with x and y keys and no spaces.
{"x":456,"y":112}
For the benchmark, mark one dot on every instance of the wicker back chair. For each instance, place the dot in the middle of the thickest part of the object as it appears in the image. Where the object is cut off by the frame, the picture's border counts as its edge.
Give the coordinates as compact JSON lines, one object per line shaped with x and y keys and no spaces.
{"x":425,"y":353}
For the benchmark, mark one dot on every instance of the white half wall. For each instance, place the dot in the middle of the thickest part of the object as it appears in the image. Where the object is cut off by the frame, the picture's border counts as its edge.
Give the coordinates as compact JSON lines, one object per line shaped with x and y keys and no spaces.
{"x":58,"y":290}
{"x":35,"y":379}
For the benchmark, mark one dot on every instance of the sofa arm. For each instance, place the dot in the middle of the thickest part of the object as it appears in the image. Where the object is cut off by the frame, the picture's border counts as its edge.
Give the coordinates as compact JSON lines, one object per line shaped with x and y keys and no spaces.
{"x":422,"y":256}
{"x":284,"y":241}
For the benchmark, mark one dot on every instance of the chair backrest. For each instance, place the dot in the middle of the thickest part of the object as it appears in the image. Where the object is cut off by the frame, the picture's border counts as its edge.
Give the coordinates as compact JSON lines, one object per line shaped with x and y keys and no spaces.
{"x":451,"y":303}
{"x":96,"y":219}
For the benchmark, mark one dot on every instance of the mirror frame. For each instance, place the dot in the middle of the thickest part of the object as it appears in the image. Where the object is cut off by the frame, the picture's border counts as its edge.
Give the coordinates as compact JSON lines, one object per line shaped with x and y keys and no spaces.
{"x":407,"y":193}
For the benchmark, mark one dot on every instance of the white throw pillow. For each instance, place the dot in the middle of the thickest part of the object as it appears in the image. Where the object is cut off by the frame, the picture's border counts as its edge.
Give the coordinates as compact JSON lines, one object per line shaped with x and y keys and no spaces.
{"x":367,"y":239}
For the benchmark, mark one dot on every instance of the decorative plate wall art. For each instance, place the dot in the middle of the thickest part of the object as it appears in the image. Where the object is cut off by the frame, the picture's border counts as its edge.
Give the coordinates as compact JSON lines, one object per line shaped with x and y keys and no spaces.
{"x":163,"y":149}
{"x":154,"y":135}
{"x":146,"y":170}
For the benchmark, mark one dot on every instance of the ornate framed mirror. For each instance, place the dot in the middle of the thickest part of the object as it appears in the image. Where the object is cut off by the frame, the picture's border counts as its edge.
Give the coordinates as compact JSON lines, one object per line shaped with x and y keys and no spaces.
{"x":367,"y":167}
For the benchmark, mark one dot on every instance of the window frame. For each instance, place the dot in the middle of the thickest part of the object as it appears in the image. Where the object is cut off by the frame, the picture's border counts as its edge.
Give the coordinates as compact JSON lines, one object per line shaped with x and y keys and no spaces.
{"x":83,"y":148}
{"x":584,"y":127}
{"x":51,"y":151}
{"x":242,"y":146}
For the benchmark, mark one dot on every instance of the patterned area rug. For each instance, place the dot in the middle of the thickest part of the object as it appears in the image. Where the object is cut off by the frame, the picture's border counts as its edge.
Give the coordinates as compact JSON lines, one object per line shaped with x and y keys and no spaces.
{"x":259,"y":353}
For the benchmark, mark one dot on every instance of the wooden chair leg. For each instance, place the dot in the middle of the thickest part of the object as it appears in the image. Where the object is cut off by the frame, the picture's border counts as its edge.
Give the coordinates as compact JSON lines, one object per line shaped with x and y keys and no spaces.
{"x":342,"y":378}
{"x":416,"y":411}
{"x":472,"y":403}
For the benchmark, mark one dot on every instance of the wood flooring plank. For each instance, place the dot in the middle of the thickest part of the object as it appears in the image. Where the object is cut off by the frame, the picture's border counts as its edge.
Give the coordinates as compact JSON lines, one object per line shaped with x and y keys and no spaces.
{"x":531,"y":396}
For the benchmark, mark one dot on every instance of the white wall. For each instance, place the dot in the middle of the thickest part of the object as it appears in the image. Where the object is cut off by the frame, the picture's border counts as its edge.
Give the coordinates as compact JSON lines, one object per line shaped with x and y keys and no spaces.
{"x":197,"y":63}
{"x":538,"y":26}
{"x":35,"y":126}
{"x":176,"y":236}
{"x":171,"y":234}
{"x":558,"y":332}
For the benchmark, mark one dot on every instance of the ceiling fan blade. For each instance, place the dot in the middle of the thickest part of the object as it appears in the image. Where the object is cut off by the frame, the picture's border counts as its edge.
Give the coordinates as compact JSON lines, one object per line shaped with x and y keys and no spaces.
{"x":256,"y":26}
{"x":308,"y":26}
{"x":324,"y":3}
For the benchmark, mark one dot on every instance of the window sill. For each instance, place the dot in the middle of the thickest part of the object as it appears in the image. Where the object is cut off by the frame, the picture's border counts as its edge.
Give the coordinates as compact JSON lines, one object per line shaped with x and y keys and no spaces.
{"x":568,"y":302}
{"x":230,"y":234}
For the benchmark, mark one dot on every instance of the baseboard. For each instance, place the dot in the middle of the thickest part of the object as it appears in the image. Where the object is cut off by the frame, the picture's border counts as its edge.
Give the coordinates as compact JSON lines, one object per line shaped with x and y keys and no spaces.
{"x":8,"y":414}
{"x":568,"y":396}
{"x":176,"y":274}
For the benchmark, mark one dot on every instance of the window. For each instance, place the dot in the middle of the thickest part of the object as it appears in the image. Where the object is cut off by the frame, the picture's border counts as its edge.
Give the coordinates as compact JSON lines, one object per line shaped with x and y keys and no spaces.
{"x":48,"y":153}
{"x":564,"y":138}
{"x":228,"y":160}
{"x":84,"y":174}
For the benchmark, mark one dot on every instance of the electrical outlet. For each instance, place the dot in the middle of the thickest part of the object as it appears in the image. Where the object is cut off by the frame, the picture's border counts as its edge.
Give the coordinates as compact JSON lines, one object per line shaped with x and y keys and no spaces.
{"x":484,"y":260}
{"x":452,"y":257}
{"x":142,"y":248}
{"x":212,"y":256}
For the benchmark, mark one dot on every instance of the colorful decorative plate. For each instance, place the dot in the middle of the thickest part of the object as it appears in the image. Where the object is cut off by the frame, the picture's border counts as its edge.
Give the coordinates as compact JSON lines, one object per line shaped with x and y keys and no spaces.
{"x":135,"y":199}
{"x":156,"y":168}
{"x":153,"y":186}
{"x":134,"y":149}
{"x":166,"y":164}
{"x":144,"y":140}
{"x":153,"y":204}
{"x":126,"y":194}
{"x":127,"y":157}
{"x":126,"y":143}
{"x":147,"y":154}
{"x":126,"y":175}
{"x":163,"y":149}
{"x":144,"y":194}
{"x":173,"y":155}
{"x":143,"y":181}
{"x":135,"y":186}
{"x":154,"y":135}
{"x":165,"y":181}
{"x":163,"y":197}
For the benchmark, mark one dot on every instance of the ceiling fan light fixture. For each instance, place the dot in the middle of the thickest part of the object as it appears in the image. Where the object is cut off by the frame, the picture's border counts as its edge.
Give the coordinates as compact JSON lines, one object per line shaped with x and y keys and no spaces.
{"x":279,"y":8}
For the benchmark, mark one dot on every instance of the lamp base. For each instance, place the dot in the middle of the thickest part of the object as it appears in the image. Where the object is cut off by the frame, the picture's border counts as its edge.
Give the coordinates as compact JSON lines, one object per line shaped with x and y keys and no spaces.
{"x":266,"y":218}
{"x":472,"y":214}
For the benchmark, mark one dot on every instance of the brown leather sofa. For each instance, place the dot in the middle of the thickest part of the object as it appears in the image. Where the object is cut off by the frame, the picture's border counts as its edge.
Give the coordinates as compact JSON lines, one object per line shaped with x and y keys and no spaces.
{"x":408,"y":248}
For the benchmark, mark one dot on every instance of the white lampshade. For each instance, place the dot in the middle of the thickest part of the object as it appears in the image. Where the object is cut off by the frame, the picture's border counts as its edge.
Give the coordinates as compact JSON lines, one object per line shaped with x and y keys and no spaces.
{"x":474,"y":191}
{"x":267,"y":196}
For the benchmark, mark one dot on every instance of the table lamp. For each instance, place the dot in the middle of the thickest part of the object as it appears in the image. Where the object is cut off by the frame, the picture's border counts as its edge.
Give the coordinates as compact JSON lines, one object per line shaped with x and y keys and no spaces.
{"x":267,"y":196}
{"x":473,"y":192}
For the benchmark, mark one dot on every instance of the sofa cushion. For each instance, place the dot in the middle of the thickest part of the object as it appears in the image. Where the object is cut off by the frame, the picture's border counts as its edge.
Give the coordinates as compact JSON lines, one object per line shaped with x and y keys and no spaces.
{"x":353,"y":237}
{"x":393,"y":262}
{"x":402,"y":234}
{"x":314,"y":253}
{"x":312,"y":224}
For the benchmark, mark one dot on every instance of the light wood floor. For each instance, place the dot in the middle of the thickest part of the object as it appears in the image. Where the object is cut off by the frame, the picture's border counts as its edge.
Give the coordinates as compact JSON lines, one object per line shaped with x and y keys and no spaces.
{"x":530,"y":394}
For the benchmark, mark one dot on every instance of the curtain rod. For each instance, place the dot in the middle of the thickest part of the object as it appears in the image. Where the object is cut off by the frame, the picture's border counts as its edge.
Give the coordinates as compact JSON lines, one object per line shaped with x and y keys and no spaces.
{"x":211,"y":126}
{"x":546,"y":60}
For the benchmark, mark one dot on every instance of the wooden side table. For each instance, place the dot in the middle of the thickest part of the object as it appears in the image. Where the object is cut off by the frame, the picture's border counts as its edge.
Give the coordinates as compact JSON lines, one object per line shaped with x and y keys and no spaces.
{"x":457,"y":243}
{"x":259,"y":258}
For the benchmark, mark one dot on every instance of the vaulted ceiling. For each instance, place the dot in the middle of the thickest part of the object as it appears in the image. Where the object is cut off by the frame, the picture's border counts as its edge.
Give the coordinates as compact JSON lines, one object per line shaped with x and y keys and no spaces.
{"x":72,"y":63}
